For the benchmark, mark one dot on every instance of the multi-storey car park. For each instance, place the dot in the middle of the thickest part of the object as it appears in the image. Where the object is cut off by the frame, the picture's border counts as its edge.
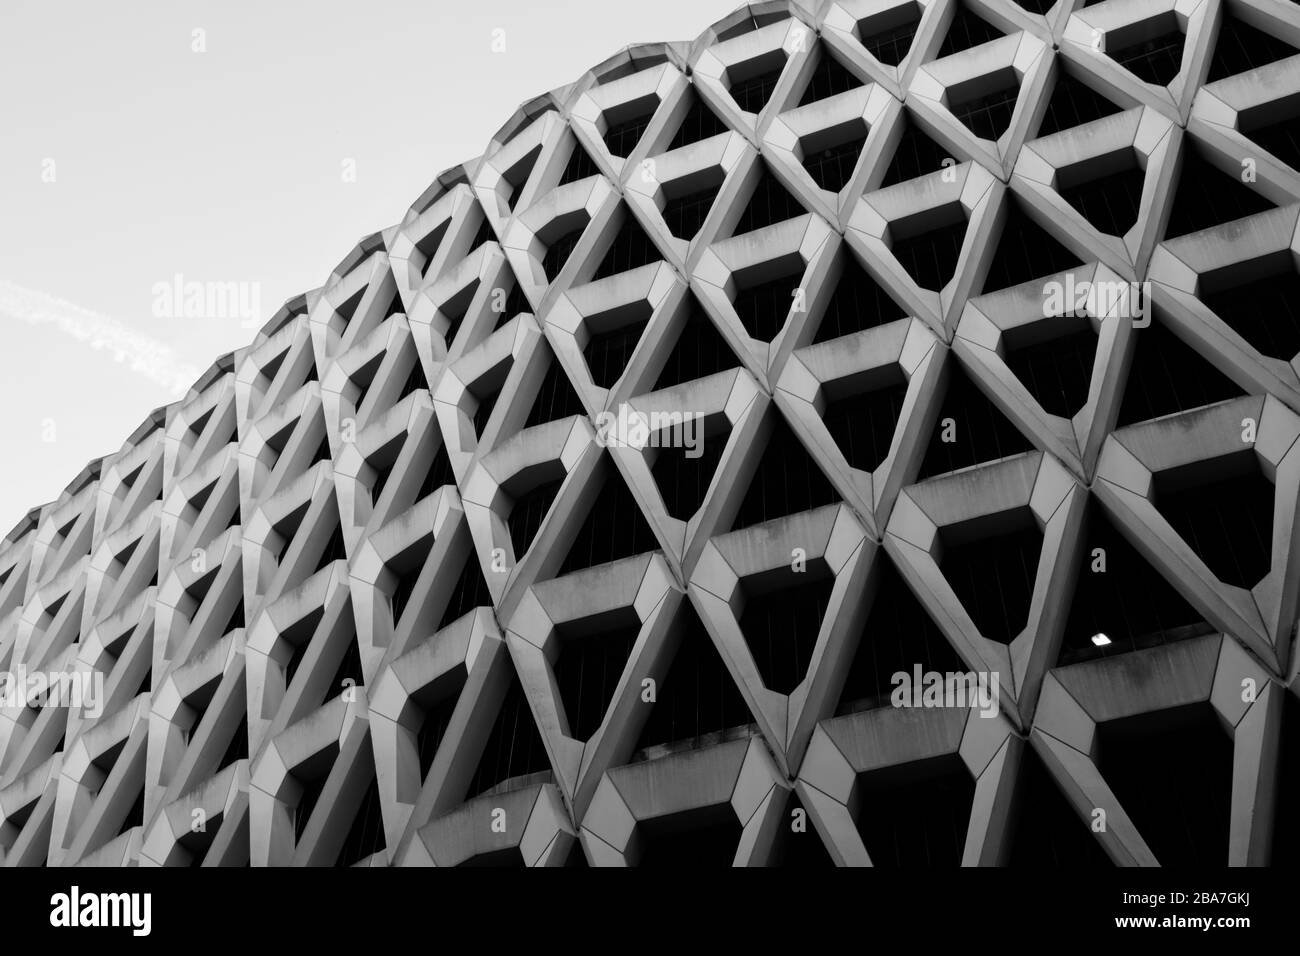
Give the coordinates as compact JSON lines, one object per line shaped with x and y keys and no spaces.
{"x":988,"y":313}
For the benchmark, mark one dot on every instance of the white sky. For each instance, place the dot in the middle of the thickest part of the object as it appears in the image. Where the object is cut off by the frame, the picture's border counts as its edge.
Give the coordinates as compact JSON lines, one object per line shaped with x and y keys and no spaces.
{"x":225,"y":166}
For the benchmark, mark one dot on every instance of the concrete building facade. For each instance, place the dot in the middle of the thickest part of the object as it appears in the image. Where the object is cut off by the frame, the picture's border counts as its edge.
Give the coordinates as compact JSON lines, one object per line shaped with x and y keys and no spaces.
{"x":863,"y":435}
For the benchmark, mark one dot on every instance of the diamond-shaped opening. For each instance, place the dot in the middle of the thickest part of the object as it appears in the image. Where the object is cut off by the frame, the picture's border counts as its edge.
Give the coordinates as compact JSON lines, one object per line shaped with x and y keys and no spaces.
{"x":614,"y":337}
{"x":700,"y":351}
{"x":862,"y":412}
{"x":1045,"y":830}
{"x":631,"y":249}
{"x":580,"y":165}
{"x":1241,"y":47}
{"x":531,"y":505}
{"x":469,"y":593}
{"x":311,"y":775}
{"x":898,"y":637}
{"x":786,"y":481}
{"x":1073,"y":102}
{"x":455,"y":309}
{"x":781,"y":617}
{"x":700,"y":123}
{"x":697,"y":703}
{"x":1206,"y":196}
{"x":1223,"y":509}
{"x":763,"y":306}
{"x":888,"y":35}
{"x":555,"y":397}
{"x":1261,"y":303}
{"x":1274,"y":126}
{"x":406,"y":568}
{"x":1053,"y":360}
{"x":797,"y":844}
{"x":831,"y":155}
{"x":514,"y":755}
{"x":682,"y":474}
{"x":1150,"y":49}
{"x":751,"y":83}
{"x":593,"y":653}
{"x":518,"y":174}
{"x":991,"y":564}
{"x":916,"y":155}
{"x":985,"y":104}
{"x":1121,"y":604}
{"x":486,"y":389}
{"x":1168,"y":376}
{"x":968,"y":29}
{"x":970,"y":430}
{"x":428,"y":246}
{"x":687,"y":201}
{"x":366,"y":834}
{"x":858,"y":303}
{"x":438,"y":702}
{"x":561,"y":237}
{"x":769,"y":203}
{"x":1025,"y":251}
{"x":915,"y":815}
{"x":614,"y":528}
{"x":627,"y":122}
{"x":1171,"y":771}
{"x":1106,"y":190}
{"x":700,"y":839}
{"x":830,"y":78}
{"x":928,"y":244}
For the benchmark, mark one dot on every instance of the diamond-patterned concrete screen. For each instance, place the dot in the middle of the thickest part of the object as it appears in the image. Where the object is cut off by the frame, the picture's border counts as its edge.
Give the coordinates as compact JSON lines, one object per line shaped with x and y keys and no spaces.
{"x":868,"y":434}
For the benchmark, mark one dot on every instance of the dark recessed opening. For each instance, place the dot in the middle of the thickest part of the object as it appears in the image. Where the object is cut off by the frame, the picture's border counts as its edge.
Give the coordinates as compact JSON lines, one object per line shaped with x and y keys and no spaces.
{"x":782,"y":616}
{"x":555,"y":399}
{"x":986,"y":104}
{"x":704,"y":838}
{"x":697,"y":699}
{"x":588,"y":669}
{"x":991,"y":564}
{"x":978,"y":429}
{"x":1206,"y":196}
{"x":514,"y":748}
{"x":1046,"y":832}
{"x":1056,"y":371}
{"x":1241,"y":47}
{"x":366,"y":835}
{"x":1172,"y":773}
{"x":915,"y":815}
{"x":700,"y":351}
{"x":928,"y":245}
{"x":798,"y":849}
{"x":916,"y":155}
{"x":968,"y":29}
{"x":897,"y":637}
{"x":752,"y":83}
{"x":631,"y":249}
{"x":786,"y":481}
{"x":683,"y":481}
{"x":1025,"y":251}
{"x":829,"y":79}
{"x":437,"y":717}
{"x":862,"y":414}
{"x":1223,"y":509}
{"x":858,"y":303}
{"x":607,"y":353}
{"x":684,"y":213}
{"x":1151,"y":49}
{"x":1107,"y":191}
{"x":1073,"y":103}
{"x":831,"y":166}
{"x":769,"y":203}
{"x":528,"y":513}
{"x":559,"y":250}
{"x":470,"y":592}
{"x":1274,"y":127}
{"x":888,"y":35}
{"x":627,"y":123}
{"x":603,"y":537}
{"x":1168,"y":376}
{"x":517,"y":175}
{"x":763,"y":308}
{"x":1119,"y":596}
{"x":1264,"y":309}
{"x":579,"y":166}
{"x":1286,"y":827}
{"x":699,"y":123}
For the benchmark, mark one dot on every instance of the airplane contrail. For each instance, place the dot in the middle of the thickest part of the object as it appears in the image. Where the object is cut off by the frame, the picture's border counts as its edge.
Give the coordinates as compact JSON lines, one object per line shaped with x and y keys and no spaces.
{"x":150,"y":357}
